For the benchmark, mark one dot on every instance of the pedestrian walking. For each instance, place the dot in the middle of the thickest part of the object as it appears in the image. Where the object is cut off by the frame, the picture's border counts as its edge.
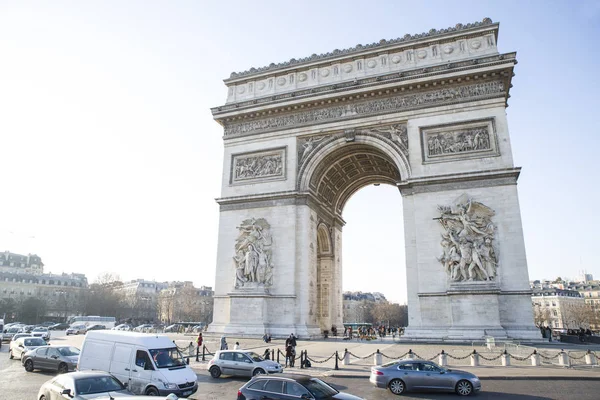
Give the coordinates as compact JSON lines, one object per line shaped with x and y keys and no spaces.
{"x":236,"y":346}
{"x":290,"y":355}
{"x":223,"y":343}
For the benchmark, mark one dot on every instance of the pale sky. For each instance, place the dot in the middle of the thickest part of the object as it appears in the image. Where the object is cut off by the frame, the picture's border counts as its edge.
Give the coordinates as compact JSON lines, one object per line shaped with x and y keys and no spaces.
{"x":110,"y":160}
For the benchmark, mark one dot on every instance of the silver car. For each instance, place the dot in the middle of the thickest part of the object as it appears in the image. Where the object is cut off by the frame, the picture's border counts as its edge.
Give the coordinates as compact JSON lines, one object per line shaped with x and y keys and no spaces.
{"x":83,"y":385}
{"x":51,"y":358}
{"x":23,"y":344}
{"x":42,"y":332}
{"x":403,"y":375}
{"x":242,"y":363}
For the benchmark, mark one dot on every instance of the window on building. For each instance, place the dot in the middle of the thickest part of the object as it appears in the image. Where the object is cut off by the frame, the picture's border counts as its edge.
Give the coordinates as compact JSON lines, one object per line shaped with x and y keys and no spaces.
{"x":555,"y":313}
{"x":553,"y":304}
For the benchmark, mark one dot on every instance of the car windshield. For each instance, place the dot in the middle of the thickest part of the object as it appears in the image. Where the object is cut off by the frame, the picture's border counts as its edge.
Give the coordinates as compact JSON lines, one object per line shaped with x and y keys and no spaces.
{"x":40,"y":330}
{"x":255,"y":357}
{"x":68,"y":351}
{"x":391,"y":363}
{"x":34,"y":342}
{"x":97,"y":384}
{"x":167,"y":358}
{"x":319,"y":389}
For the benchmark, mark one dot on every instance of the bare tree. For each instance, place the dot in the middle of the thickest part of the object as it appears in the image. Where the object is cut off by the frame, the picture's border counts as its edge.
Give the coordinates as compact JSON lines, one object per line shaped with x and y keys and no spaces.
{"x":541,"y":316}
{"x":578,"y":315}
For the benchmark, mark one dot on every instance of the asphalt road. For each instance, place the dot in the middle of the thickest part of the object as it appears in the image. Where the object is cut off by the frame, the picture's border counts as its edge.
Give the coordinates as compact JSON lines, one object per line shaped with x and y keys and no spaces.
{"x":24,"y":386}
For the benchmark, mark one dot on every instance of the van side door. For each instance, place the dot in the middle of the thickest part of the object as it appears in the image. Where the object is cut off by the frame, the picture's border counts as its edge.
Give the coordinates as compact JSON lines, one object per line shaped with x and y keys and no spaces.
{"x":141,"y":371}
{"x":120,"y":364}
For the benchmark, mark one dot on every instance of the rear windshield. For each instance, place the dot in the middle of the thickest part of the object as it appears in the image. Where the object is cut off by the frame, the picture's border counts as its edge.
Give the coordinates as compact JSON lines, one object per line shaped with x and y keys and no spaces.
{"x":167,"y":358}
{"x":68,"y":351}
{"x":319,"y":389}
{"x":34,"y":342}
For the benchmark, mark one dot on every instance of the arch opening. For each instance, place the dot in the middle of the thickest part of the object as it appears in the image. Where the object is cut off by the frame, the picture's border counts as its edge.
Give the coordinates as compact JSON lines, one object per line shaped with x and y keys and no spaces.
{"x":336,"y":178}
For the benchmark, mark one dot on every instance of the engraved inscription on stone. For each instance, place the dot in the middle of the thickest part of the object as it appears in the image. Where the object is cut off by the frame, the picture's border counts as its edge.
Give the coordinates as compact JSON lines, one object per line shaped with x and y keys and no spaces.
{"x":464,"y":140}
{"x":467,"y":241}
{"x":417,"y":100}
{"x":268,"y":164}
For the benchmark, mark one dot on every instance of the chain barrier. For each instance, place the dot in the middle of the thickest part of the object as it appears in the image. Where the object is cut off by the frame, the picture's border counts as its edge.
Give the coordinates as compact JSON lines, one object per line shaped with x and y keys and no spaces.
{"x":576,"y":358}
{"x":521,"y":358}
{"x":490,"y":358}
{"x":340,"y":358}
{"x":362,"y":358}
{"x":548,"y":357}
{"x":322,"y":361}
{"x":208,"y":351}
{"x":434,"y":357}
{"x":458,"y":358}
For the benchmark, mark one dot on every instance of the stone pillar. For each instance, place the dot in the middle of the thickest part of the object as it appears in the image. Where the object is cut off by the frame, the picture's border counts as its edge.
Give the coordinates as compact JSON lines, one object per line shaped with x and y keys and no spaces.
{"x":535,"y":360}
{"x":346,"y":357}
{"x":377,"y":358}
{"x":443,"y":359}
{"x":590,"y":359}
{"x":410,"y":355}
{"x":474,"y":359}
{"x":563,"y":359}
{"x":505,"y":360}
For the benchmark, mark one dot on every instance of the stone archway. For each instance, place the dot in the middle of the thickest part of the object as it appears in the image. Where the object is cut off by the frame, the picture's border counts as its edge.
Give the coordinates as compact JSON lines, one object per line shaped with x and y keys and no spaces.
{"x":425,"y":114}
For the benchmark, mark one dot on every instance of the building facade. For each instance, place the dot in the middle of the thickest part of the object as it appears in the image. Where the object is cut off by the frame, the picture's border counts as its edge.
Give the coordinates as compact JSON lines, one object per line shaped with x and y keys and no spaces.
{"x":558,"y":308}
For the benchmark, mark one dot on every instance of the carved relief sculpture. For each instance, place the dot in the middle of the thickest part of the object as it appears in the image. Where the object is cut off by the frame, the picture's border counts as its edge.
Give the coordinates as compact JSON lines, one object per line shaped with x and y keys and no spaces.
{"x":397,"y":133}
{"x":458,"y":141}
{"x":467,"y":243}
{"x":267,"y":164}
{"x":253,"y":254}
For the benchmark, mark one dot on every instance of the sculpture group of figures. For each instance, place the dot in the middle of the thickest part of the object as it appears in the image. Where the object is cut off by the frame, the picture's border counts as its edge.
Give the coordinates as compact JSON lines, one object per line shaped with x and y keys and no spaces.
{"x":467,"y":243}
{"x":458,"y":142}
{"x":253,"y":254}
{"x":253,"y":167}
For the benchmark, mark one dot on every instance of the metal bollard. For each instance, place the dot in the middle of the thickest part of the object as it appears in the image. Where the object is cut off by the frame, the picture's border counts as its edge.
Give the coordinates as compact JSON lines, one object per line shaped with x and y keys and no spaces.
{"x":301,"y":359}
{"x":336,"y":361}
{"x":535,"y":359}
{"x":563,"y":358}
{"x":346,"y":357}
{"x":203,"y":353}
{"x":197,"y":353}
{"x":474,"y":359}
{"x":377,"y":358}
{"x":273,"y":355}
{"x":505,"y":359}
{"x":443,"y":359}
{"x":590,"y":359}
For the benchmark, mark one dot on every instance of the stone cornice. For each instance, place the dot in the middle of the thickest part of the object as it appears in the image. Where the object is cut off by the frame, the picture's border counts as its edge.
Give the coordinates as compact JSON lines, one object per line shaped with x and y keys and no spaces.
{"x":221,"y":113}
{"x":382,"y":45}
{"x":418,"y":96}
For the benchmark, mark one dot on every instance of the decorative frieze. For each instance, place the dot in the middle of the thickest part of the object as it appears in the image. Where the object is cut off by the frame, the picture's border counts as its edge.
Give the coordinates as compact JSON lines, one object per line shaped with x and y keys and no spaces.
{"x":253,"y":255}
{"x":468,"y":251}
{"x":472,"y":139}
{"x":264,"y":165}
{"x":422,"y":99}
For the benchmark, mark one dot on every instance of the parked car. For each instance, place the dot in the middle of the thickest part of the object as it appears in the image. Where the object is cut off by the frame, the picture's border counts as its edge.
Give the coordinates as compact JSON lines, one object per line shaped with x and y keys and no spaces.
{"x":289,"y":386}
{"x":96,"y":327}
{"x":142,"y":328}
{"x":53,"y":358}
{"x":23,"y":345}
{"x":42,"y":332}
{"x":82,"y":385}
{"x":122,"y":327}
{"x":58,"y":327}
{"x":76,"y":330}
{"x":242,"y":363}
{"x":172,"y":328}
{"x":10,"y":332}
{"x":404,"y":375}
{"x":28,"y":328}
{"x":20,"y":335}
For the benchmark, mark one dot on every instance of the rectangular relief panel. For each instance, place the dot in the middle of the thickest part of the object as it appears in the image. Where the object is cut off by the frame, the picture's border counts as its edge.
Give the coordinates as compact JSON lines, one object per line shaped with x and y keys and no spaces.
{"x":259,"y":166}
{"x":459,"y":141}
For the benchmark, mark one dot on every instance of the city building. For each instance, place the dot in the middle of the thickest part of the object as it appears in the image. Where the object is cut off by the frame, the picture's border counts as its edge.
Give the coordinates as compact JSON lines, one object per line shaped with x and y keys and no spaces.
{"x":182,"y":302}
{"x":139,"y":298}
{"x":17,"y":263}
{"x":559,"y":308}
{"x":357,"y":305}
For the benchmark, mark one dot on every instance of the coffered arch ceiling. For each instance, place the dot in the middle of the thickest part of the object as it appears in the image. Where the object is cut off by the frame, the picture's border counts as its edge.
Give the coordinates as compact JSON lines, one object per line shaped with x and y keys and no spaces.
{"x":349,"y":168}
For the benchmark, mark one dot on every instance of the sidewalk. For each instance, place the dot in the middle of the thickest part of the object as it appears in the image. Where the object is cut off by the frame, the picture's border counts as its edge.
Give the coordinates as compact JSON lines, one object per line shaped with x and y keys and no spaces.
{"x":361,"y":360}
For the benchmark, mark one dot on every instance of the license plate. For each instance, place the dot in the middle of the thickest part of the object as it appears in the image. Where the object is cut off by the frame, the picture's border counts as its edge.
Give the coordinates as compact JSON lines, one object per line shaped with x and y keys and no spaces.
{"x":187,"y":393}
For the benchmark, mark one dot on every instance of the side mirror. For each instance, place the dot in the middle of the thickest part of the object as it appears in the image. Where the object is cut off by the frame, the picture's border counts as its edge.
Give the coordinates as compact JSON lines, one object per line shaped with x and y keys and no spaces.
{"x":67,"y":392}
{"x":306,"y":396}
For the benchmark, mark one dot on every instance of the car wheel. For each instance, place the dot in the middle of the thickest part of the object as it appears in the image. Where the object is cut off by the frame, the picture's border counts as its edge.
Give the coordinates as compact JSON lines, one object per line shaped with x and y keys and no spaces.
{"x":10,"y":355}
{"x":464,"y":388}
{"x":215,"y":372}
{"x":151,"y":391}
{"x":63,"y":368}
{"x":258,"y":371}
{"x":397,"y":386}
{"x":28,"y":365}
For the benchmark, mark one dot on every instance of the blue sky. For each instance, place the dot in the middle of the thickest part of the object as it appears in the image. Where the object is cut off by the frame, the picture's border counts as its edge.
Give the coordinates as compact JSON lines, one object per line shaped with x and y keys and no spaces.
{"x":111,"y":159}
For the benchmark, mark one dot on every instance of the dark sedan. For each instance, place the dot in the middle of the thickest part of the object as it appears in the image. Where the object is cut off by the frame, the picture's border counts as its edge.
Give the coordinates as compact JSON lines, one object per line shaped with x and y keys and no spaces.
{"x":83,"y":385}
{"x":51,"y":358}
{"x":402,"y":375}
{"x":290,"y":387}
{"x":58,"y":327}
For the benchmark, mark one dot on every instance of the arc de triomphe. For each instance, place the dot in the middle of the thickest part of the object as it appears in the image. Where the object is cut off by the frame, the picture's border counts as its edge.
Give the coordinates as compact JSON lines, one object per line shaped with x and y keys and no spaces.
{"x":425,"y":113}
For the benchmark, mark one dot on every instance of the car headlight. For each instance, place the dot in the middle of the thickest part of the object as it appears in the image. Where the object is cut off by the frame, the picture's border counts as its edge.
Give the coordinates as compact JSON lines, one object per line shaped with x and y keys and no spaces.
{"x":171,"y":386}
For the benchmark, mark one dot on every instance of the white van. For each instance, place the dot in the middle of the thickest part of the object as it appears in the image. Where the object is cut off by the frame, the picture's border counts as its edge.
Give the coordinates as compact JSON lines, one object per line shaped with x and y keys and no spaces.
{"x":148,"y":364}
